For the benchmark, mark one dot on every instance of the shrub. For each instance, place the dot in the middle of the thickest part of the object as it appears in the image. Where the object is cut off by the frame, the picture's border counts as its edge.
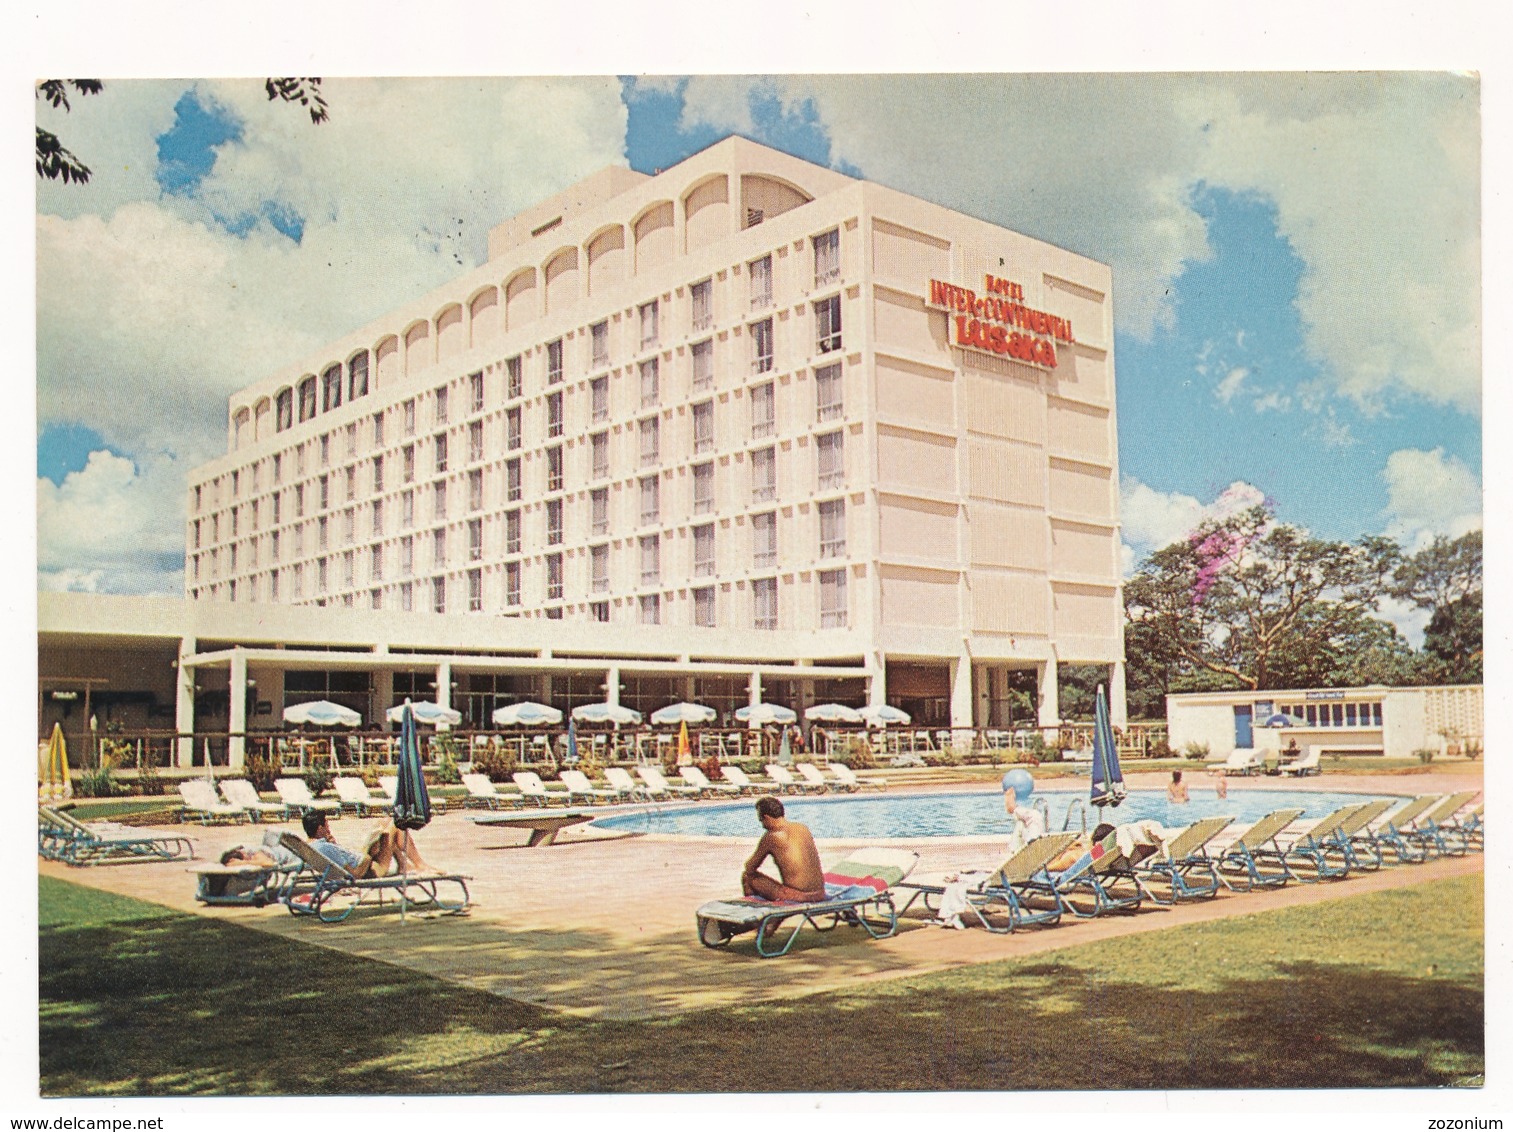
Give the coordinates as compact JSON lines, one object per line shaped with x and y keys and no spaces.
{"x":1472,"y":749}
{"x":318,"y":778}
{"x":98,"y":783}
{"x":947,"y":757}
{"x":496,"y":762}
{"x":856,"y":753}
{"x":1425,"y":755}
{"x":446,"y":772}
{"x":263,"y":769}
{"x":1160,"y":749}
{"x":1195,"y":751}
{"x":149,"y":781}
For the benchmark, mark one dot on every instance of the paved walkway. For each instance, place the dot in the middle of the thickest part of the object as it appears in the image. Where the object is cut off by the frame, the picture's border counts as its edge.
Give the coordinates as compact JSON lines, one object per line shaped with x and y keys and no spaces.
{"x":602,"y":926}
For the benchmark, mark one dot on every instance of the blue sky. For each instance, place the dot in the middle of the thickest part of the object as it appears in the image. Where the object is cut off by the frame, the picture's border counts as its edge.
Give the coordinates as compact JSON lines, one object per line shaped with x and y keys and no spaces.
{"x":1263,"y":349}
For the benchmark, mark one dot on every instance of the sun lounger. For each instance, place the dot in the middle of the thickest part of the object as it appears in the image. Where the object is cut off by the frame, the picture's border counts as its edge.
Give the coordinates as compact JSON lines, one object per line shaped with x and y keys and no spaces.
{"x":1298,"y":768}
{"x":245,"y":883}
{"x":739,"y":778}
{"x":1008,"y":886}
{"x":812,"y":776}
{"x":543,"y":824}
{"x":1182,"y":866}
{"x":1472,"y":828}
{"x":848,"y":781}
{"x":1242,"y":866}
{"x":1391,"y":832}
{"x":389,"y":784}
{"x":907,"y":759}
{"x":63,"y":837}
{"x":1314,"y":847}
{"x":483,"y":795}
{"x":787,"y":784}
{"x":1103,"y":874}
{"x":334,"y":892}
{"x":857,"y":892}
{"x":354,"y":795}
{"x":1436,"y":832}
{"x":297,"y":796}
{"x":626,"y":787}
{"x":1355,"y":845}
{"x":696,"y":778}
{"x":203,"y":804}
{"x":579,"y":786}
{"x":1244,"y":761}
{"x":240,"y":792}
{"x":657,"y":783}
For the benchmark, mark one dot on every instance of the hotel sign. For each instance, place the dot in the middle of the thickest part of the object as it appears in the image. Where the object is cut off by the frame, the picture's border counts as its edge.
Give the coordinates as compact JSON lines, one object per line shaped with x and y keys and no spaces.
{"x":999,"y":322}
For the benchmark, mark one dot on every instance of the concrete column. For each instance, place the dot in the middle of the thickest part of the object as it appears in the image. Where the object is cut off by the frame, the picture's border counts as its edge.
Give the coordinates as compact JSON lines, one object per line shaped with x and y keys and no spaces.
{"x":754,"y":689}
{"x":546,"y":688}
{"x":981,"y":697}
{"x":1050,"y":694}
{"x":688,"y":690}
{"x":236,"y":746}
{"x":961,"y":690}
{"x":877,"y":683}
{"x":444,"y":683}
{"x":612,"y":686}
{"x":184,"y":705}
{"x":1118,"y":706}
{"x":998,"y":691}
{"x":383,"y":695}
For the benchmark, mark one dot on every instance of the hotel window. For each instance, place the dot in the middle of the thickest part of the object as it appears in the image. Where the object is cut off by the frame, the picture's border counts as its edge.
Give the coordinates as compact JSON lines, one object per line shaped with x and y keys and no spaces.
{"x":322,"y":581}
{"x":651,"y":560}
{"x":703,"y":364}
{"x":651,"y":609}
{"x":703,"y":607}
{"x":378,"y":518}
{"x":827,"y":257}
{"x":409,"y":463}
{"x":215,"y":528}
{"x":407,"y":597}
{"x":764,"y":475}
{"x":648,"y":324}
{"x":352,"y":440}
{"x":197,"y":532}
{"x":475,"y":390}
{"x":441,"y":452}
{"x":307,"y":399}
{"x":439,"y":500}
{"x":599,"y":443}
{"x":700,"y":297}
{"x":832,"y":599}
{"x":764,"y":539}
{"x":272,"y":582}
{"x":764,"y":603}
{"x":761,"y":346}
{"x":357,"y":376}
{"x":760,"y":271}
{"x":554,"y":522}
{"x":598,"y":568}
{"x":703,"y":551}
{"x":512,"y":583}
{"x":348,"y":526}
{"x":441,"y":405}
{"x":256,"y":508}
{"x":599,"y":343}
{"x":475,"y":489}
{"x":554,"y":469}
{"x":406,"y":556}
{"x":512,"y":429}
{"x":439,"y":547}
{"x":378,"y":429}
{"x":651,"y":502}
{"x":832,"y":528}
{"x":511,"y":480}
{"x":347,"y":570}
{"x":375,"y":599}
{"x":475,"y":539}
{"x":376,"y":564}
{"x":649,"y":384}
{"x":252,"y":555}
{"x":475,"y":591}
{"x":231,"y":558}
{"x":763,"y":410}
{"x":299,"y":462}
{"x":512,"y":532}
{"x":299,"y":512}
{"x":598,"y":392}
{"x":599,"y":611}
{"x":273,"y":549}
{"x":513,"y":382}
{"x":407,"y":510}
{"x":330,"y":389}
{"x":554,"y":362}
{"x":235,"y":515}
{"x":827,"y":324}
{"x":299,"y":542}
{"x":378,"y":473}
{"x":599,"y":511}
{"x":351,"y":477}
{"x":650,"y":441}
{"x":703,"y":488}
{"x":278,"y":477}
{"x":324,"y":486}
{"x":554,"y":577}
{"x":553,"y":414}
{"x":439,"y":595}
{"x":703,"y":427}
{"x":284,"y":410}
{"x":475,"y":442}
{"x":830,"y":454}
{"x":409,"y":417}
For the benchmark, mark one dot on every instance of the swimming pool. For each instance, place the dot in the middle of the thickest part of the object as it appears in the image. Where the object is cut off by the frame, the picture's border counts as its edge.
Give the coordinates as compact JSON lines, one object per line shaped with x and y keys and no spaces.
{"x":978,"y":813}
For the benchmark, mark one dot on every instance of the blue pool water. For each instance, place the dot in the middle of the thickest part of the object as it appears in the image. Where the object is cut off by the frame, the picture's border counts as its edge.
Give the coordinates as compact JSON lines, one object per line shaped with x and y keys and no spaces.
{"x":977,"y":813}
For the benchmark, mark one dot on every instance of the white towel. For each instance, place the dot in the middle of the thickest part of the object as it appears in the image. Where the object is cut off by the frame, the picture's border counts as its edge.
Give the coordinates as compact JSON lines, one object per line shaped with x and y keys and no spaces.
{"x":953,"y":900}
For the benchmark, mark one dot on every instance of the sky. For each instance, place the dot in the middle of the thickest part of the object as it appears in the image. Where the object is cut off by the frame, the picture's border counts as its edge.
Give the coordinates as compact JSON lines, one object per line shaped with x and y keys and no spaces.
{"x":1296,"y":260}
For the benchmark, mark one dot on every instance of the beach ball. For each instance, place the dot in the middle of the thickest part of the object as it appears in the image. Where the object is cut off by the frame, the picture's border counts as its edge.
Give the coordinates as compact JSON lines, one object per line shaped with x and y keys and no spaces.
{"x":1019,"y":781}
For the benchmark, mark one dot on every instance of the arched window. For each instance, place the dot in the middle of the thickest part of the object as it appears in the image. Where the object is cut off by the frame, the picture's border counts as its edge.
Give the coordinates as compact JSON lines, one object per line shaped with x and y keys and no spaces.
{"x":357,"y":376}
{"x":284,"y":404}
{"x":307,"y":398}
{"x":330,"y":389}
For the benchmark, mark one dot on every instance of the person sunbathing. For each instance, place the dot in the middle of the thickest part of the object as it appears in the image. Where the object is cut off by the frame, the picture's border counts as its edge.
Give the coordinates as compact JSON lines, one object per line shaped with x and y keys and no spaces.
{"x":791,"y":847}
{"x":1074,"y":853}
{"x":389,"y":850}
{"x":269,"y":855}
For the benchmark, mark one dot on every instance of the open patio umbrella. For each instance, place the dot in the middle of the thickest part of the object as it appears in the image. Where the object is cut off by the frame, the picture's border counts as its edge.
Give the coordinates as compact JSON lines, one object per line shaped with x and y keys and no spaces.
{"x":527,"y":714}
{"x":833,"y":713}
{"x":1281,"y":720}
{"x":881,"y":715}
{"x":759,"y":715}
{"x":425,"y":712}
{"x":572,"y":744}
{"x":322,"y":713}
{"x":683,"y":713}
{"x":1108,"y":779}
{"x":605,"y":713}
{"x":53,"y":781}
{"x":412,"y":802}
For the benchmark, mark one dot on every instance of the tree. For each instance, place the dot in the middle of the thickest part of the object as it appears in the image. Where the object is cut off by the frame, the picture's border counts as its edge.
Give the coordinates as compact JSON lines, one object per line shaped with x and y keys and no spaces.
{"x":1446,"y":579}
{"x":55,"y":163}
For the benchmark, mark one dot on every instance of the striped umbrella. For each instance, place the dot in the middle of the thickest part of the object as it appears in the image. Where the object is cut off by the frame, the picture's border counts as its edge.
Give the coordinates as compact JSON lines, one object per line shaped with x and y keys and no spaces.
{"x":53,"y":781}
{"x":412,"y":803}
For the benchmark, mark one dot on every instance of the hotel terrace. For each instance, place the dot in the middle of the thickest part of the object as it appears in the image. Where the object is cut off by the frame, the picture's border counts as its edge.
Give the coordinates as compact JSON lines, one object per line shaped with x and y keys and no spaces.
{"x":746,"y":429}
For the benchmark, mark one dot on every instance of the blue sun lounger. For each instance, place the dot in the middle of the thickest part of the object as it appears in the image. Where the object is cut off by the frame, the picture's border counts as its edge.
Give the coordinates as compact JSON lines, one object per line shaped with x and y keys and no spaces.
{"x":1314,"y":848}
{"x":857,"y":892}
{"x":63,"y":837}
{"x":1436,"y":833}
{"x":1183,"y":867}
{"x":1254,"y":859}
{"x":1103,"y":874}
{"x":1006,"y":887}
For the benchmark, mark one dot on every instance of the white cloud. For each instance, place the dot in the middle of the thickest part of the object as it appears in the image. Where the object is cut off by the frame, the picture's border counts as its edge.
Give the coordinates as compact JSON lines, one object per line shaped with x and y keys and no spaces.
{"x":1231,"y":384}
{"x":1272,"y":402}
{"x":1428,"y":494}
{"x":1152,"y":519}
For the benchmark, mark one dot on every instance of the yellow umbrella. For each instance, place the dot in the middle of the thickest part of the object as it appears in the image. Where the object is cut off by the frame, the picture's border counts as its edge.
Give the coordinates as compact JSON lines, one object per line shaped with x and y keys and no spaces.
{"x":683,"y":755}
{"x":54,"y":784}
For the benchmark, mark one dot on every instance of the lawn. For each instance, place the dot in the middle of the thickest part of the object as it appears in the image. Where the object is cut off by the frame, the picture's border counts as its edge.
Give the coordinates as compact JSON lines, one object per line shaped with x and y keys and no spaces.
{"x":1382,"y":989}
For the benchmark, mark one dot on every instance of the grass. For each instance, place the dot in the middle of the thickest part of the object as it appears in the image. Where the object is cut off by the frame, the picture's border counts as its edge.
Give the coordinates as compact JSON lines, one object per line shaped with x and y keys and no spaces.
{"x":1381,"y":989}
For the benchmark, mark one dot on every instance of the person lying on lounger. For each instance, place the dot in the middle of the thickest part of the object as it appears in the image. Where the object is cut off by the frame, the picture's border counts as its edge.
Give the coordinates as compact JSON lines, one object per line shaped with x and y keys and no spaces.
{"x":390,"y":849}
{"x":791,"y":846}
{"x":269,"y":855}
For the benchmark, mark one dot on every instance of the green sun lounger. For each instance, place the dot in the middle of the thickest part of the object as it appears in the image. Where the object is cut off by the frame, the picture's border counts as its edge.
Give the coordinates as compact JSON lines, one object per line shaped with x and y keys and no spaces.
{"x":335,"y":892}
{"x":1103,"y":874}
{"x":1006,"y":887}
{"x":1183,"y":868}
{"x":1254,"y":859}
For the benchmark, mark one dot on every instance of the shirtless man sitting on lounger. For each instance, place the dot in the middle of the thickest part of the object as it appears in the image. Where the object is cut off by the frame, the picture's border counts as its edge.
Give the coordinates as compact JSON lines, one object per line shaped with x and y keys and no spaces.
{"x":791,"y":846}
{"x":391,"y":849}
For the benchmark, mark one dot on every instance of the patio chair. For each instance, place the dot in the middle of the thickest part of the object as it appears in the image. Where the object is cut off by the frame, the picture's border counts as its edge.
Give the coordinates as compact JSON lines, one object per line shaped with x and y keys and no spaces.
{"x":747,"y":785}
{"x":63,"y":837}
{"x":1391,"y":832}
{"x":241,"y":792}
{"x":811,"y":775}
{"x":626,"y":787}
{"x":389,"y":784}
{"x":1103,"y":874}
{"x":1007,"y":885}
{"x":353,"y":793}
{"x":657,"y":783}
{"x":482,"y":794}
{"x":696,"y":778}
{"x":533,"y":790}
{"x":906,"y":759}
{"x":847,"y":780}
{"x":579,"y":786}
{"x":1182,"y":866}
{"x":335,"y":892}
{"x":1473,"y":828}
{"x":1354,"y":843}
{"x":1243,"y":760}
{"x":858,"y":892}
{"x":1240,"y":866}
{"x":785,"y":782}
{"x":244,"y":883}
{"x":1436,"y":832}
{"x":1314,"y":847}
{"x":296,"y":795}
{"x":1308,"y":764}
{"x":202,"y":804}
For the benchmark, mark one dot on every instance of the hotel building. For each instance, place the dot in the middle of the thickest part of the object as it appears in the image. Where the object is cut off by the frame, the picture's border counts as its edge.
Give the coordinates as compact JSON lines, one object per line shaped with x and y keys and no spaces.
{"x":746,"y":428}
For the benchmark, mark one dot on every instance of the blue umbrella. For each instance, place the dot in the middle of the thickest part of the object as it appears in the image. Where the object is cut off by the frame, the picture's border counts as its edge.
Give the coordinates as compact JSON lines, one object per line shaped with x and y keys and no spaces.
{"x":1282,"y":720}
{"x":572,"y":744}
{"x":1108,"y":779}
{"x":412,"y":803}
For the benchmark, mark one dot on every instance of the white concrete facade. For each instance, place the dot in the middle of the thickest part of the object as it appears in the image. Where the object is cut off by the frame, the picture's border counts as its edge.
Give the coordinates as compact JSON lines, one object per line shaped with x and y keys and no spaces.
{"x":746,"y":404}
